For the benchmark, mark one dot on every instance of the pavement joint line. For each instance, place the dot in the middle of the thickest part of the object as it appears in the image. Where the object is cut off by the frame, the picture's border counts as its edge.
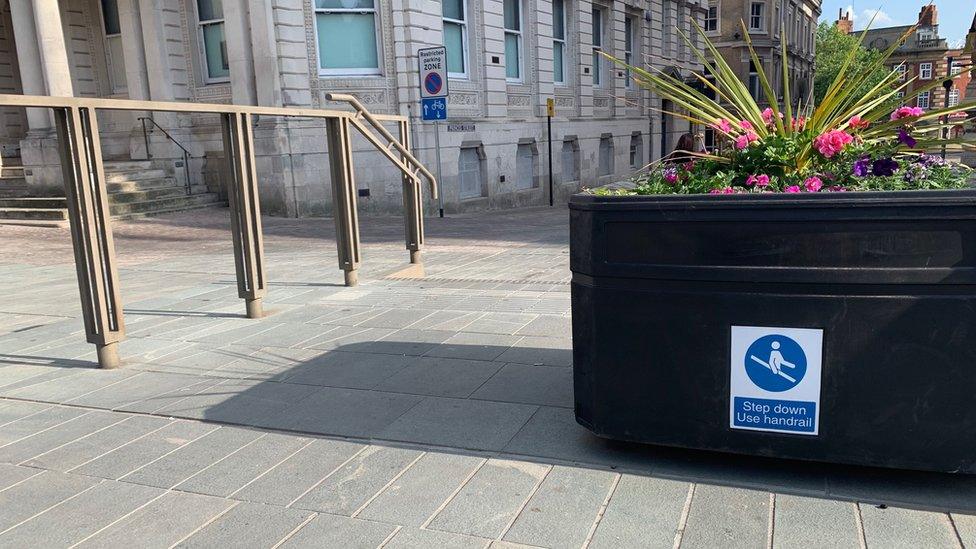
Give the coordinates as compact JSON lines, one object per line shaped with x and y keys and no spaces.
{"x":390,"y":537}
{"x":116,"y":521}
{"x":453,"y":494}
{"x":602,"y":511}
{"x":144,"y":465}
{"x":213,"y":519}
{"x":28,"y":415}
{"x":771,"y":528}
{"x":329,"y":474}
{"x":34,"y":434}
{"x":859,"y":522}
{"x":272,"y":468}
{"x":68,"y":401}
{"x":955,"y":531}
{"x":18,"y":483}
{"x":123,"y":420}
{"x":65,"y":500}
{"x":521,"y":508}
{"x":295,"y":530}
{"x":140,"y":437}
{"x":198,"y":381}
{"x":679,"y":531}
{"x":264,"y":434}
{"x":387,"y":485}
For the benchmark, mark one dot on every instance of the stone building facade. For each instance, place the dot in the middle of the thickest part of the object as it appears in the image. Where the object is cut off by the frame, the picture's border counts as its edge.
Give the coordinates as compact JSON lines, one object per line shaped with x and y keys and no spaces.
{"x":506,"y":57}
{"x":765,"y":21}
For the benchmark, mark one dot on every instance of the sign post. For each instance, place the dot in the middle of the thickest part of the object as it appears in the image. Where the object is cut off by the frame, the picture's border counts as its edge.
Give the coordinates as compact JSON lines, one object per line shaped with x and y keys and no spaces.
{"x":433,"y":100}
{"x":550,"y":112}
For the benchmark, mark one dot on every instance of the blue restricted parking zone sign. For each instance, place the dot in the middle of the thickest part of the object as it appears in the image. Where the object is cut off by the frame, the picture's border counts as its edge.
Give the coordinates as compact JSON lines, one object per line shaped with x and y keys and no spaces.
{"x":434,"y":108}
{"x":775,"y":379}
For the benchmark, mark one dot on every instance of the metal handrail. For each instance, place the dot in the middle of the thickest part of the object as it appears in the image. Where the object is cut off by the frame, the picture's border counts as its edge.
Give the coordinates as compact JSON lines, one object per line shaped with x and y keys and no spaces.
{"x":186,"y":154}
{"x":411,"y":166}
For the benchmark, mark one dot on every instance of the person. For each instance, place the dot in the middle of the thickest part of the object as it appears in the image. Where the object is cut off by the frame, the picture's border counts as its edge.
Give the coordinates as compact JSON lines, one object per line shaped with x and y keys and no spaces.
{"x":776,"y":360}
{"x":685,"y":145}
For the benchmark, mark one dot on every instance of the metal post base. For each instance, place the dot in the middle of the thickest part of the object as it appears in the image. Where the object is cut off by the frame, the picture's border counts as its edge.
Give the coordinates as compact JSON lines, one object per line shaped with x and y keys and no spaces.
{"x":416,"y":257}
{"x":352,"y":278}
{"x":255,"y":308}
{"x":108,"y":356}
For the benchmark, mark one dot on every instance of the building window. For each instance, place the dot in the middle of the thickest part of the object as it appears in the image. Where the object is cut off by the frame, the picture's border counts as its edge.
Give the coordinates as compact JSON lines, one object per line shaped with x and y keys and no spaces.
{"x":757,"y":12}
{"x":902,"y":71}
{"x":954,"y":97}
{"x":709,"y":139}
{"x":597,"y":47}
{"x":628,"y":50}
{"x":711,"y":19}
{"x":113,"y":46}
{"x":754,"y":84}
{"x":513,"y":40}
{"x":636,"y":150}
{"x":525,"y":166}
{"x":210,"y":25}
{"x":666,"y":27}
{"x":900,"y":95}
{"x":923,"y":100}
{"x":570,"y":161}
{"x":955,"y":68}
{"x":559,"y":41}
{"x":606,"y":155}
{"x":925,"y":71}
{"x":455,"y":16}
{"x":469,"y":173}
{"x":925,"y":34}
{"x":347,"y":38}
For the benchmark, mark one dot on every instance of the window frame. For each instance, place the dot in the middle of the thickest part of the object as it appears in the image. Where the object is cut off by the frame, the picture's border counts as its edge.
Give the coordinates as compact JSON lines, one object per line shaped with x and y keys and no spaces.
{"x":636,"y":150}
{"x":954,"y":97}
{"x":563,"y":42}
{"x":754,"y":80}
{"x":520,"y":37}
{"x":928,"y":100}
{"x":202,"y":46}
{"x":955,"y":68}
{"x":902,"y":69}
{"x":715,"y":19}
{"x":109,"y":58}
{"x":465,"y":54}
{"x":478,"y":151}
{"x":761,"y":16}
{"x":922,"y":70}
{"x":377,"y":35}
{"x":597,"y":14}
{"x":533,"y":159}
{"x":629,"y":28}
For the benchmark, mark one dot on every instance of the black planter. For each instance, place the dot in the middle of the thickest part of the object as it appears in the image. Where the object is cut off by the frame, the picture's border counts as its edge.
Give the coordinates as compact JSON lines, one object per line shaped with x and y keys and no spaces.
{"x":889,"y":278}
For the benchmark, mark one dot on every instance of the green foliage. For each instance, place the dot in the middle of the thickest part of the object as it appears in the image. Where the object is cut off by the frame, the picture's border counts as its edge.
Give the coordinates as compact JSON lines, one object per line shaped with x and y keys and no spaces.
{"x":833,"y":48}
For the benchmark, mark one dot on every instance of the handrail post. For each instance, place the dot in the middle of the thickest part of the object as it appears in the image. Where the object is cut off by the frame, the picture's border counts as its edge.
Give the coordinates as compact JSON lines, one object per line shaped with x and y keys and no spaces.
{"x":91,"y":230}
{"x":145,"y":137}
{"x":413,"y":207}
{"x":245,"y":211}
{"x":344,"y":197}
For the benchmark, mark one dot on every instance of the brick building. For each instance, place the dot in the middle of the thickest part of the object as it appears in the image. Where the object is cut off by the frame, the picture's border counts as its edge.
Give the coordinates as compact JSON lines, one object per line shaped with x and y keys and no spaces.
{"x":506,"y":57}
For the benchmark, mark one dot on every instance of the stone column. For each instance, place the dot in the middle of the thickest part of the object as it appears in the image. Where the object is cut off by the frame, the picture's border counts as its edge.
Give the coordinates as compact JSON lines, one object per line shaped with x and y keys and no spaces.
{"x":242,"y":85}
{"x":154,"y":38}
{"x":29,"y":60}
{"x":53,"y":54}
{"x":133,"y":50}
{"x":264,"y":49}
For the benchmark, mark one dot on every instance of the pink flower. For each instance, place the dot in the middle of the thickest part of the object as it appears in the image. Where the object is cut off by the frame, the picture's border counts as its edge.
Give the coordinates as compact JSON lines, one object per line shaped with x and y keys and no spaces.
{"x":726,"y":190}
{"x":799,"y":123}
{"x":723,"y":126}
{"x":856,"y":123}
{"x":671,"y":175}
{"x":743,"y":141}
{"x":813,"y":184}
{"x":762,"y":181}
{"x":745,"y":125}
{"x":792,"y":189}
{"x":769,"y":117}
{"x":832,"y":142}
{"x":907,"y":112}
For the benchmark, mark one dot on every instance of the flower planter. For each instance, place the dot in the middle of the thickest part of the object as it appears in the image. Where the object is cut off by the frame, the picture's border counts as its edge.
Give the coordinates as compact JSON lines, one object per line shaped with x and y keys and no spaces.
{"x":663,"y":285}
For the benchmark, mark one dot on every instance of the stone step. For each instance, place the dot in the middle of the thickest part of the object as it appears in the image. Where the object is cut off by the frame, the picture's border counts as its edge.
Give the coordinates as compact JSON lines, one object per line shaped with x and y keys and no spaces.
{"x":164,"y":205}
{"x":34,"y":214}
{"x":126,"y":165}
{"x":33,"y":203}
{"x":117,"y":176}
{"x":143,"y":185}
{"x":171,"y":191}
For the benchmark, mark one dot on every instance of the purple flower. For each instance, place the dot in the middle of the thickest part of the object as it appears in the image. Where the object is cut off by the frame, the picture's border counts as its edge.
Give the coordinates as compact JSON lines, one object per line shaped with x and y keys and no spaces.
{"x":906,"y":138}
{"x":884,"y":167}
{"x":862,"y":166}
{"x":671,"y":175}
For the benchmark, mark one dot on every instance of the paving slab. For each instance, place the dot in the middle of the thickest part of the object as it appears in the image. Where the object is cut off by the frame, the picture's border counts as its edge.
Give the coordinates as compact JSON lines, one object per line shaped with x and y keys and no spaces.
{"x":966,"y":528}
{"x":720,"y":516}
{"x":335,"y":531}
{"x":249,"y":525}
{"x":474,"y":346}
{"x":344,"y":412}
{"x":144,"y":386}
{"x":235,"y":471}
{"x":895,"y":528}
{"x":144,"y":450}
{"x":12,"y":474}
{"x":37,"y":494}
{"x":415,"y":538}
{"x":36,"y":423}
{"x":459,"y":423}
{"x":540,"y":350}
{"x":79,"y":517}
{"x":811,"y":523}
{"x":161,"y":523}
{"x":14,"y":410}
{"x":58,"y":436}
{"x":299,"y":473}
{"x":347,"y":370}
{"x":355,"y":483}
{"x":643,"y":511}
{"x":537,"y":384}
{"x":486,"y":506}
{"x":442,"y":377}
{"x":63,"y":389}
{"x":417,"y":494}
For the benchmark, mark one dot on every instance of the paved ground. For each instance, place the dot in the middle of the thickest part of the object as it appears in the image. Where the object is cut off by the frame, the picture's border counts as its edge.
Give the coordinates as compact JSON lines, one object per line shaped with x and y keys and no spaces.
{"x":431,"y":412}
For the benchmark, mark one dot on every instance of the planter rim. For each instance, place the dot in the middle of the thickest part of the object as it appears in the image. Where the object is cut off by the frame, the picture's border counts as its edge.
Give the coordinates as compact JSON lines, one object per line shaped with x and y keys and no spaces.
{"x":955,"y":197}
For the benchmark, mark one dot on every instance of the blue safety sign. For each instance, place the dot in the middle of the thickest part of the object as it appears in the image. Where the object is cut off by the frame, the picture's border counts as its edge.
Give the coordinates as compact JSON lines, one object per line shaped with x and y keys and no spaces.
{"x":775,"y":379}
{"x":434,"y":108}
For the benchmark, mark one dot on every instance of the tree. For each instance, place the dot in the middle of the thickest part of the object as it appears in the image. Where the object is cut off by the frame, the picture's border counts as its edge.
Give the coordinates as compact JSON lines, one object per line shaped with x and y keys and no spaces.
{"x":833,"y":48}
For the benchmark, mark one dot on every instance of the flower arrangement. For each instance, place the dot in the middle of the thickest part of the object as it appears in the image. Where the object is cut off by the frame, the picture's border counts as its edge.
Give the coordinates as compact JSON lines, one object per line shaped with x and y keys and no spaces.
{"x":849,"y":142}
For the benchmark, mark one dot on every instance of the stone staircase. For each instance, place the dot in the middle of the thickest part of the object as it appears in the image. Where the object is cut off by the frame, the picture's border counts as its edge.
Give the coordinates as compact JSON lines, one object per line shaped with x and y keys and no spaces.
{"x":135,"y":187}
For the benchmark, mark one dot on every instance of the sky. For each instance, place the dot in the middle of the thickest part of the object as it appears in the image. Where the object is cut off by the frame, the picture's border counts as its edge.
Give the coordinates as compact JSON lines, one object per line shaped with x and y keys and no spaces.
{"x":955,"y":16}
